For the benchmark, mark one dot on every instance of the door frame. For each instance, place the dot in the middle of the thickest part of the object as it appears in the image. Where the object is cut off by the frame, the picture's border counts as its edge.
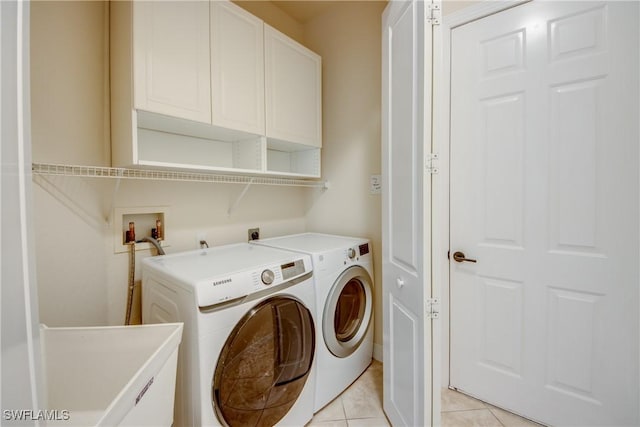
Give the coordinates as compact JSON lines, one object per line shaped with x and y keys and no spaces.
{"x":441,"y":146}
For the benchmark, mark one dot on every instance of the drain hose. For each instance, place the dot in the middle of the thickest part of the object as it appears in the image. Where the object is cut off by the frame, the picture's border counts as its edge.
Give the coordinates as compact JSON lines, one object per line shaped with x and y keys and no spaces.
{"x":132,"y":273}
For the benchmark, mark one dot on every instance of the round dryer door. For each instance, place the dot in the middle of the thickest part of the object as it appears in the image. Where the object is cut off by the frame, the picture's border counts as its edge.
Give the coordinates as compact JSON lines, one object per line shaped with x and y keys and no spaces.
{"x":264,"y":365}
{"x":347,"y":311}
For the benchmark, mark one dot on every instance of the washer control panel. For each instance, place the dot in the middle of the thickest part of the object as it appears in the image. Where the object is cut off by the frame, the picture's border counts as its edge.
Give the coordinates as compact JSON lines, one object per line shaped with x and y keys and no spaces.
{"x":292,"y":269}
{"x":282,"y":272}
{"x":267,"y":277}
{"x":220,"y":289}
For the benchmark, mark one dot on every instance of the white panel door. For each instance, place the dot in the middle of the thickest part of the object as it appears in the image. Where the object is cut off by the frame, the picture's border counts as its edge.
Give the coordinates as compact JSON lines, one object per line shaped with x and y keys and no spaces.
{"x":544,"y":195}
{"x":406,"y":204}
{"x":237,"y":68}
{"x":293,"y":90}
{"x":171,"y":58}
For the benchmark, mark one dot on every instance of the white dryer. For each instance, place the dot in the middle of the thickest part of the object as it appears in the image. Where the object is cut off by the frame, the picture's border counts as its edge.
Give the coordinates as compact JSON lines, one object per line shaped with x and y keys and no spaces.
{"x":247,"y":354}
{"x":343,"y":272}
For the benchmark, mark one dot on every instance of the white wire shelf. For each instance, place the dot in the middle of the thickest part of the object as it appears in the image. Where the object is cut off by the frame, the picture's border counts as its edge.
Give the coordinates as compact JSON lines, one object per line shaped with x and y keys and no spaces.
{"x":161,"y":175}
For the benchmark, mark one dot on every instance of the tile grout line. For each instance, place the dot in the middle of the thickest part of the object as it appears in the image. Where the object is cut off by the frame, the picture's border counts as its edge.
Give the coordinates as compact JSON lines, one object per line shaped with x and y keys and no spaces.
{"x":494,"y":416}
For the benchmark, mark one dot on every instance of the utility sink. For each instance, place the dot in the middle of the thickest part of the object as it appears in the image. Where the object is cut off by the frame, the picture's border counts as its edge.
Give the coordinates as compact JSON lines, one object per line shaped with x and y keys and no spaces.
{"x":110,"y":376}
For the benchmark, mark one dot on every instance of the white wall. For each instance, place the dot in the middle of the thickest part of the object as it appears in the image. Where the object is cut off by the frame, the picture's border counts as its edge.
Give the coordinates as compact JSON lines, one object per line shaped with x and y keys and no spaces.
{"x":70,"y":82}
{"x":70,"y":125}
{"x":348,"y":37}
{"x":81,"y":280}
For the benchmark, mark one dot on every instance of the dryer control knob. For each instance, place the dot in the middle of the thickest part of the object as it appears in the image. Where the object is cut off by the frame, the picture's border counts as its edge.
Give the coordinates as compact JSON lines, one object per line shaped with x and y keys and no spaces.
{"x":267,"y":277}
{"x":351,"y":253}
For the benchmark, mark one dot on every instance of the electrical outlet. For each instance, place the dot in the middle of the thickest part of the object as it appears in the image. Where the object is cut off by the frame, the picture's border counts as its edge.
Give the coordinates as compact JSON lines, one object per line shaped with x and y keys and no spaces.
{"x":253,"y":234}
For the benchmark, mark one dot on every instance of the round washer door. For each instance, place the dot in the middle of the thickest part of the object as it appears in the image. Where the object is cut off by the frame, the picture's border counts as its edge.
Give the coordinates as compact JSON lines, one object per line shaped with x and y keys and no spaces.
{"x":264,"y":364}
{"x":347,"y":311}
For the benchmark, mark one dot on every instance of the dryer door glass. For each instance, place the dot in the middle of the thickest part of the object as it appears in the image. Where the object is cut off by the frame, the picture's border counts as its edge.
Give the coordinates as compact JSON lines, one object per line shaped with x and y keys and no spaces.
{"x":347,"y":311}
{"x":264,"y":364}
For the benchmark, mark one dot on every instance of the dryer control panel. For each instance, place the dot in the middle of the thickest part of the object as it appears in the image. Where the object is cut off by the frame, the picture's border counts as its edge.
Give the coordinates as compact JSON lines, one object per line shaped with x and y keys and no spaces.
{"x":357,"y":253}
{"x":363,"y":249}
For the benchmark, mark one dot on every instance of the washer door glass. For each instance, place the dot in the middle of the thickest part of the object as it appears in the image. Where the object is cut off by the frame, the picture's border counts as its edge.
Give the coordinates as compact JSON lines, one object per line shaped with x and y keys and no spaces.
{"x":347,"y":312}
{"x":264,"y":365}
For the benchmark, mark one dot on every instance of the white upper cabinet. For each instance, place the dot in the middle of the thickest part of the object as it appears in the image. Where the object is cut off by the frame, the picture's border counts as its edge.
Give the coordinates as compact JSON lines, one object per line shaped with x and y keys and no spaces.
{"x":207,"y":86}
{"x":171,"y":58}
{"x":237,"y":68}
{"x":293,"y":90}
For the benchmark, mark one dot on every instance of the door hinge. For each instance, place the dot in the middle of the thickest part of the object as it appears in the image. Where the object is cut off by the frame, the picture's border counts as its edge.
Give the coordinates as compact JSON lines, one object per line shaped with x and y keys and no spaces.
{"x":433,"y":308}
{"x":434,"y":14}
{"x":432,"y":163}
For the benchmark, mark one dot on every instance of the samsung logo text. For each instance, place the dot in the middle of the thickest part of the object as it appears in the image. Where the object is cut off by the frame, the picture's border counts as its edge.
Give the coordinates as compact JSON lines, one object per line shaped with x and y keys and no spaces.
{"x":222,"y":282}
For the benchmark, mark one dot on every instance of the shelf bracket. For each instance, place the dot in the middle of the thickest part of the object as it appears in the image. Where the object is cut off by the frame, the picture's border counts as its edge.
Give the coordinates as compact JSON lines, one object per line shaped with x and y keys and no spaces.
{"x":93,"y":219}
{"x":240,"y":197}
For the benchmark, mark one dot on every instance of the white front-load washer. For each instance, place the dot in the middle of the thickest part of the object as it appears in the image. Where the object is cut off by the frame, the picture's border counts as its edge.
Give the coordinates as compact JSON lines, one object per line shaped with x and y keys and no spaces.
{"x":343,"y":276}
{"x":247,"y":354}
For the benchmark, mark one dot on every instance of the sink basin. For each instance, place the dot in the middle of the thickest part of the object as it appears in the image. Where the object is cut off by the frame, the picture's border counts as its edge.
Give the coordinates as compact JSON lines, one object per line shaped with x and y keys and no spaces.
{"x":110,"y":376}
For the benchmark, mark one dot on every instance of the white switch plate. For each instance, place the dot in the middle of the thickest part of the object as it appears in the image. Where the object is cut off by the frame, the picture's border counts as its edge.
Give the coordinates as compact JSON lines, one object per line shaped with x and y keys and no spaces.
{"x":375,"y":184}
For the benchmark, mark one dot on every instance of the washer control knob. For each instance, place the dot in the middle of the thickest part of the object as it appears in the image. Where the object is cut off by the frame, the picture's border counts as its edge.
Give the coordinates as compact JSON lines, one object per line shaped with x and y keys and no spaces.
{"x":351,"y":253}
{"x":267,"y":277}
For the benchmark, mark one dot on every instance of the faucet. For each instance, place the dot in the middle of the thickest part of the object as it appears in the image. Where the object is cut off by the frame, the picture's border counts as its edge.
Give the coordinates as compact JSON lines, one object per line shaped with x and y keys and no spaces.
{"x":155,"y":243}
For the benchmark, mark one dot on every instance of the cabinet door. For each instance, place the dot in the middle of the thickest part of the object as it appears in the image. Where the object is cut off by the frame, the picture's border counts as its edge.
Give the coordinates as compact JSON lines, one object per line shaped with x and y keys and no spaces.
{"x":237,"y":68}
{"x":171,"y":59}
{"x":293,"y":90}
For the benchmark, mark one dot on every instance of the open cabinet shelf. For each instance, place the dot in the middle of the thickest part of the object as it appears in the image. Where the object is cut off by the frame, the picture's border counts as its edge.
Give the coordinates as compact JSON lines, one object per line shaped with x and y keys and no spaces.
{"x":292,"y":159}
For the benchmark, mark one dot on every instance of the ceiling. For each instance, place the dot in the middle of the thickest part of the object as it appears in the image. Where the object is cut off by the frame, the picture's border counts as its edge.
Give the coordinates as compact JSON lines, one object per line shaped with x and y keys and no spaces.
{"x":303,"y":10}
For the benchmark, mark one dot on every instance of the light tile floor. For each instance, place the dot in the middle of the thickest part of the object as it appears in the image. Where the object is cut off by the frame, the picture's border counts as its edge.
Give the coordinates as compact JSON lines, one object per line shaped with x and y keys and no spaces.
{"x":361,"y":405}
{"x":460,"y":410}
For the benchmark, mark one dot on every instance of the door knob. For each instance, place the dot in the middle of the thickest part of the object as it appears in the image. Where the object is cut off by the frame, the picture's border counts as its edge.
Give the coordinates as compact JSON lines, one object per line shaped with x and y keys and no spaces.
{"x":399,"y":282}
{"x":460,"y":257}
